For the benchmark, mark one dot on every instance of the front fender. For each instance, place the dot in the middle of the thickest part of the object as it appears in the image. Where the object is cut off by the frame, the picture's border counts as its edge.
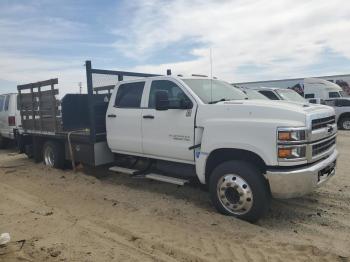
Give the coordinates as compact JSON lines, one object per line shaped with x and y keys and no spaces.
{"x":237,"y":135}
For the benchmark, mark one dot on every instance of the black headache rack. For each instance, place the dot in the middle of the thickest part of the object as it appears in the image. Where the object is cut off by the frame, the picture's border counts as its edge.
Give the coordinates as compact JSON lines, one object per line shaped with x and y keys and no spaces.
{"x":77,"y":118}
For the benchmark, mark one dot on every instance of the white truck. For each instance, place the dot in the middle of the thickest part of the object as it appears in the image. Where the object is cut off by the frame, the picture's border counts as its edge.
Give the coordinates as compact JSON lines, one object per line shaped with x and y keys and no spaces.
{"x":246,"y":151}
{"x":319,"y":88}
{"x":9,"y":118}
{"x":342,"y":111}
{"x":284,"y":94}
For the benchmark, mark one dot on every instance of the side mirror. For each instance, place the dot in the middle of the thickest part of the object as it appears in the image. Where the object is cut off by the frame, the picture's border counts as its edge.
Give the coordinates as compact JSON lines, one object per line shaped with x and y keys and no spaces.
{"x":162,"y":100}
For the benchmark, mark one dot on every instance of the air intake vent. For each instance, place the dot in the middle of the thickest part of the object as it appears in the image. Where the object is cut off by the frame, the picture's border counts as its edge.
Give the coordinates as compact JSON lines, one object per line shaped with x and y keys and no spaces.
{"x":322,"y":122}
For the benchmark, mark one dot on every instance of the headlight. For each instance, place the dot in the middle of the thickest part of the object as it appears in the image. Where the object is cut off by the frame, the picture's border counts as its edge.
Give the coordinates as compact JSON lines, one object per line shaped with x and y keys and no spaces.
{"x":291,"y":143}
{"x":292,"y":152}
{"x":297,"y":135}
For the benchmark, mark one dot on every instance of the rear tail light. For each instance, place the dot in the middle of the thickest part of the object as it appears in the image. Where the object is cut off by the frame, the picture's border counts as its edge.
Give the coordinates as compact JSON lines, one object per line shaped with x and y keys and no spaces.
{"x":12,"y":120}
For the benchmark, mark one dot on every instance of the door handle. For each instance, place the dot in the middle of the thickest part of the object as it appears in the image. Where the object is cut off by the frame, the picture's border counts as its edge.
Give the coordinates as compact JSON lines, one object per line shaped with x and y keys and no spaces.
{"x":148,"y":117}
{"x":112,"y":115}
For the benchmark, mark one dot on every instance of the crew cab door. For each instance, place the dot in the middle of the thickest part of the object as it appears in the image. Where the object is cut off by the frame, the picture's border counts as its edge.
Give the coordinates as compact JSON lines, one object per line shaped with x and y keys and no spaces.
{"x":123,"y":120}
{"x":168,"y":133}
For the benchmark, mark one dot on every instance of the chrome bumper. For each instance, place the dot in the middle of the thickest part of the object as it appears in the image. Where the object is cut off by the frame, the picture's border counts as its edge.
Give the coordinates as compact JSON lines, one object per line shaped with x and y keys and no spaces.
{"x":289,"y":183}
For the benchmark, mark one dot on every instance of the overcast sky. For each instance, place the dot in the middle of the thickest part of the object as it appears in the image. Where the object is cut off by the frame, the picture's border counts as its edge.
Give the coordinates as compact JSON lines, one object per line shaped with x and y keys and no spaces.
{"x":250,"y":39}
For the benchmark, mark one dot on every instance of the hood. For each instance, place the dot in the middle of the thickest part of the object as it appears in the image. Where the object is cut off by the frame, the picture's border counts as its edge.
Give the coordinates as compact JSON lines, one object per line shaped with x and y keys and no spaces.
{"x":281,"y":104}
{"x":283,"y":112}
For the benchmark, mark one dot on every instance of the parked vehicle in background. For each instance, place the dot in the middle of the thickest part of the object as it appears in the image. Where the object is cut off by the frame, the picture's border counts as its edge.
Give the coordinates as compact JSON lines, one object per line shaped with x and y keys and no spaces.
{"x":253,"y":94}
{"x":174,"y":129}
{"x":274,"y":93}
{"x":9,"y":118}
{"x":323,"y":89}
{"x":342,"y":111}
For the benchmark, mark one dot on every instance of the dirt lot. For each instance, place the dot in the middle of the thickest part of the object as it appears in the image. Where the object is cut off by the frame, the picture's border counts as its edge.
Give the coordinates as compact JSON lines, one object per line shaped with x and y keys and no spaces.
{"x":94,"y":215}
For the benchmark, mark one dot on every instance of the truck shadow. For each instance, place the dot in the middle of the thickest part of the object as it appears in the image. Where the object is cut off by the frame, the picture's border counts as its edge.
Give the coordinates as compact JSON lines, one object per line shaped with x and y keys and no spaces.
{"x":281,"y":214}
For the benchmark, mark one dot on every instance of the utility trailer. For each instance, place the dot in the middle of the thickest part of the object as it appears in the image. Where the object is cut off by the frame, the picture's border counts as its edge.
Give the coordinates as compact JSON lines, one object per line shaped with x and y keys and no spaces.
{"x":72,"y":129}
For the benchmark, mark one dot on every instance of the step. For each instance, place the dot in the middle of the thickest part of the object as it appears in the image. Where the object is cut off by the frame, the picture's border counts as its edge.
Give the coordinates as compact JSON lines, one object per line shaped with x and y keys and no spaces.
{"x":167,"y":179}
{"x":124,"y":170}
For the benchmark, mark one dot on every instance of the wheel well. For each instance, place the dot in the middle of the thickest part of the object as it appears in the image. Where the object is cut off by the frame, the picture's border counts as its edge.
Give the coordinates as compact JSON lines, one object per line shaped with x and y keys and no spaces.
{"x":219,"y":156}
{"x":343,"y":115}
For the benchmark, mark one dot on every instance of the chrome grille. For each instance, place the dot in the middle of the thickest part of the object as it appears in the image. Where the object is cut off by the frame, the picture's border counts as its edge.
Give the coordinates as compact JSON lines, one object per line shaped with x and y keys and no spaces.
{"x":322,"y":122}
{"x":322,"y":147}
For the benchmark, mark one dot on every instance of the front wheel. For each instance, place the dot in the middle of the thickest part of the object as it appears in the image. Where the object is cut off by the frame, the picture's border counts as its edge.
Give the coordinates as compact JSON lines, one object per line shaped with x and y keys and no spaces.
{"x":238,"y":188}
{"x":344,"y":123}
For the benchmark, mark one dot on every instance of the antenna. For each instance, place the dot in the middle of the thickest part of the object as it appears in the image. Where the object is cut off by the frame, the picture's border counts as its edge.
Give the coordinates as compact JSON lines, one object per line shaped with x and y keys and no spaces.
{"x":80,"y":86}
{"x":211,"y":76}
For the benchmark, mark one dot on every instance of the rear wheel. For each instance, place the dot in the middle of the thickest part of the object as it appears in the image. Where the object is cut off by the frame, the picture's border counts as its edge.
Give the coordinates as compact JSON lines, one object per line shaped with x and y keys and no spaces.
{"x":238,"y":188}
{"x":344,"y":123}
{"x":53,"y":154}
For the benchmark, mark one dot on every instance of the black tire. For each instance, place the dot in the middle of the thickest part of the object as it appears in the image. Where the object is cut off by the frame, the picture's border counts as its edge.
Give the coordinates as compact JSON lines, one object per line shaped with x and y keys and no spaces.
{"x":53,"y":154}
{"x":3,"y":142}
{"x":255,"y":197}
{"x":344,"y":123}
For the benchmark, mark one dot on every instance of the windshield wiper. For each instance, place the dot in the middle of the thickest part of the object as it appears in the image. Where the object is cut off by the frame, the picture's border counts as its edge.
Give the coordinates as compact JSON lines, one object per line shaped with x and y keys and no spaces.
{"x":217,"y":101}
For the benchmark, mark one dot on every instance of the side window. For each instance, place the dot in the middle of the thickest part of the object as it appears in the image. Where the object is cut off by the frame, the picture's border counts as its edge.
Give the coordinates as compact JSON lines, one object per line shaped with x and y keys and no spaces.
{"x":2,"y":101}
{"x":329,"y":102}
{"x":333,"y":94}
{"x":342,"y":102}
{"x":7,"y":101}
{"x":269,"y":94}
{"x":309,"y":96}
{"x":176,"y":95}
{"x":313,"y":101}
{"x":129,"y":95}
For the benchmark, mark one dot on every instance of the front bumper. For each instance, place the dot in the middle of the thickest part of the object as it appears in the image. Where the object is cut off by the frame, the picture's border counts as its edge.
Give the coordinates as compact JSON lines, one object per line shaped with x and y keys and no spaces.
{"x":290,"y":183}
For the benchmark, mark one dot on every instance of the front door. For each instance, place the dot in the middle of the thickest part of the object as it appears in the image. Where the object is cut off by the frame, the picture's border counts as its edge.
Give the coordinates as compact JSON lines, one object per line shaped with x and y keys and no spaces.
{"x":123,"y":121}
{"x":168,"y":133}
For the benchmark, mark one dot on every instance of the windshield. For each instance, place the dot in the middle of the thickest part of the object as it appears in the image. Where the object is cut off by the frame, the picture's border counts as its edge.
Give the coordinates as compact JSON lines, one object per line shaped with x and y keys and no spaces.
{"x":210,"y":91}
{"x":253,"y":94}
{"x":291,"y":95}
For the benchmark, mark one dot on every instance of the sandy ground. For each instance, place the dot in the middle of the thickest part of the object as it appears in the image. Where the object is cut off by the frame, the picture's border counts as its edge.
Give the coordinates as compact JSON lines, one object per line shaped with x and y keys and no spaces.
{"x":95,"y":215}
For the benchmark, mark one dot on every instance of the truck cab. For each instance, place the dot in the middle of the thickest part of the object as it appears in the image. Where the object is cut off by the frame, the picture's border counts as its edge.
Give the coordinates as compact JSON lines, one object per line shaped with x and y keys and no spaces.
{"x":320,"y":88}
{"x":246,"y":151}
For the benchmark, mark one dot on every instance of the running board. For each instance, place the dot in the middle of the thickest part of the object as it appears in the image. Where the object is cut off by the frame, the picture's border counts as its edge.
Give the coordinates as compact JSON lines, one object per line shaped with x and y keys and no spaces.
{"x":153,"y":176}
{"x":122,"y":170}
{"x":167,"y":179}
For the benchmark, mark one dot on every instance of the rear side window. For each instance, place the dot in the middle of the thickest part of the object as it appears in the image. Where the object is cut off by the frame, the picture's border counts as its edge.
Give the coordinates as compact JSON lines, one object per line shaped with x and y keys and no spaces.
{"x":342,"y":102}
{"x":333,"y":94}
{"x":129,"y":95}
{"x":7,"y":101}
{"x":2,"y":102}
{"x":269,"y":95}
{"x":309,"y":96}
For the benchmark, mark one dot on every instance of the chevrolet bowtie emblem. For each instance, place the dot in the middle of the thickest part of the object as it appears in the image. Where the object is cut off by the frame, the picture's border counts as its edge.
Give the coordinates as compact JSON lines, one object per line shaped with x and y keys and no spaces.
{"x":330,"y":129}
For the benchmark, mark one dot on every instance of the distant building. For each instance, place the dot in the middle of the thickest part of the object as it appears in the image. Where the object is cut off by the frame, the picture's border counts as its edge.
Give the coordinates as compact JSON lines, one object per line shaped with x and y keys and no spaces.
{"x":342,"y":80}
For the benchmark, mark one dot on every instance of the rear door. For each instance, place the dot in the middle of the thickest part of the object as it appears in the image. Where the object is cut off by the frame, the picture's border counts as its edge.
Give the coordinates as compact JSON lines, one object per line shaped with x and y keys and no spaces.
{"x":123,"y":120}
{"x":168,"y":134}
{"x":3,"y":116}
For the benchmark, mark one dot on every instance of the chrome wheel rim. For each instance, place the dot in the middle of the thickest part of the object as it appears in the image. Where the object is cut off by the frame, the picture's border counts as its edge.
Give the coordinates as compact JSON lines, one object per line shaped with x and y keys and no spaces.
{"x":235,"y":194}
{"x":346,"y":124}
{"x":49,"y":157}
